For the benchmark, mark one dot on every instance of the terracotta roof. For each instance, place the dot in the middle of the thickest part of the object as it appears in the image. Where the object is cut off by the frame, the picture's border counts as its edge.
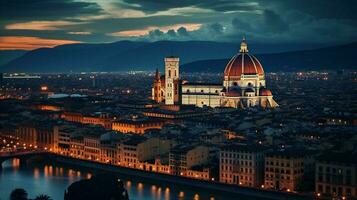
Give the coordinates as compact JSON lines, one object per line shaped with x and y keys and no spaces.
{"x":243,"y":63}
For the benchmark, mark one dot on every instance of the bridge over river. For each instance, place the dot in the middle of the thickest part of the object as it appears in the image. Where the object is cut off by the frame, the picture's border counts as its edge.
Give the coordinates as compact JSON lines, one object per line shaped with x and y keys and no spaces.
{"x":23,"y":156}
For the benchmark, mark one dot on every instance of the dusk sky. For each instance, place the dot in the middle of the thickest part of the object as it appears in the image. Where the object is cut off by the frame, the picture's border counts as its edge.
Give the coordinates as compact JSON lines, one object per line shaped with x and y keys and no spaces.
{"x":30,"y":24}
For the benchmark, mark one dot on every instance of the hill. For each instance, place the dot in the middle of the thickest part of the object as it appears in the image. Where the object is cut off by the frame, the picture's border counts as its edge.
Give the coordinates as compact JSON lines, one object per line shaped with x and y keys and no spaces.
{"x":8,"y":55}
{"x":68,"y":58}
{"x":194,"y":56}
{"x":328,"y":58}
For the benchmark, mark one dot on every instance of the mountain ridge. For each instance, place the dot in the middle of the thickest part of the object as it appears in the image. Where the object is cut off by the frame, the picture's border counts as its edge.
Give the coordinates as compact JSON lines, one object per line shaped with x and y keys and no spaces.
{"x":314,"y":59}
{"x":194,"y":56}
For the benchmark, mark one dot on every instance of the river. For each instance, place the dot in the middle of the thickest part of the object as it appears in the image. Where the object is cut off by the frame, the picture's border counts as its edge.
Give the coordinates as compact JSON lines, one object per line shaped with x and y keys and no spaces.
{"x":52,"y":179}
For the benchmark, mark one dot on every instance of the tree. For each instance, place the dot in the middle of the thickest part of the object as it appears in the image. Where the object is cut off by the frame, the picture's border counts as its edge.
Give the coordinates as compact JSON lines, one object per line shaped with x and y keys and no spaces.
{"x":18,"y":194}
{"x":43,"y":197}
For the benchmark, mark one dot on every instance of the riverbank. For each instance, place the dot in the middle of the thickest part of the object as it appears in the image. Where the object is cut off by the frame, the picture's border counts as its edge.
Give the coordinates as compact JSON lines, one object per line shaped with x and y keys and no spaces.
{"x":207,"y":185}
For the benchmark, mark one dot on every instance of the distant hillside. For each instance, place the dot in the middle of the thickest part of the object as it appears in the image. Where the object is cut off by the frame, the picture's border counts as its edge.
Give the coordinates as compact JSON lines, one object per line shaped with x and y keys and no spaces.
{"x":68,"y":58}
{"x":128,"y":55}
{"x":8,"y":55}
{"x":336,"y":57}
{"x":150,"y":56}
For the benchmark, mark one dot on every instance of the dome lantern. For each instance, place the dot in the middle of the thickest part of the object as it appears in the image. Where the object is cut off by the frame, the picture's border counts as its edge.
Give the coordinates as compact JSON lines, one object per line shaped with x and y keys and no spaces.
{"x":243,"y":46}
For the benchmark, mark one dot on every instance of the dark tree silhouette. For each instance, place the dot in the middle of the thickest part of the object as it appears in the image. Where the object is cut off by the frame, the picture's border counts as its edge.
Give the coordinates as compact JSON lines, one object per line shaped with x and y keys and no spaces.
{"x":43,"y":197}
{"x":18,"y":194}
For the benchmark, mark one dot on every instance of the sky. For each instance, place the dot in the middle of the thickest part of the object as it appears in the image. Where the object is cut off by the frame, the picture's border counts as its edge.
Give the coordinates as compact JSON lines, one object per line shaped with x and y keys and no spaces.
{"x":31,"y":24}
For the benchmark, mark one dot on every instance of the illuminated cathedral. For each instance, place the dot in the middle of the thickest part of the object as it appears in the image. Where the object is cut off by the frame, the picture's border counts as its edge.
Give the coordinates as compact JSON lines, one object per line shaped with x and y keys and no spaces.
{"x":243,"y":85}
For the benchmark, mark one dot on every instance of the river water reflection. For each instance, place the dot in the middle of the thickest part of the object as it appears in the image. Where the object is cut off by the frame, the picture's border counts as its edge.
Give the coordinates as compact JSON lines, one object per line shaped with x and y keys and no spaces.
{"x":53,"y":179}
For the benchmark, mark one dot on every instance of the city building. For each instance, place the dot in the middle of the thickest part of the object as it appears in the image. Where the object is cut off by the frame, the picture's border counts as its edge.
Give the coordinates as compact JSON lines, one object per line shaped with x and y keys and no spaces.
{"x":92,"y":146}
{"x":242,"y":165}
{"x":336,"y":175}
{"x":183,"y":158}
{"x":101,"y":119}
{"x":77,"y":147}
{"x":64,"y":139}
{"x":110,"y":151}
{"x":243,"y":85}
{"x":136,"y":126}
{"x":39,"y":136}
{"x":138,"y":150}
{"x":286,"y":169}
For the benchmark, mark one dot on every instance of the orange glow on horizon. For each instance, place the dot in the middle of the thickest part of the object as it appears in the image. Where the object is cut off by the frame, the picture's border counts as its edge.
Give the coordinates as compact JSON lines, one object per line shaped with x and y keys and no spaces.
{"x":39,"y":25}
{"x":30,"y":43}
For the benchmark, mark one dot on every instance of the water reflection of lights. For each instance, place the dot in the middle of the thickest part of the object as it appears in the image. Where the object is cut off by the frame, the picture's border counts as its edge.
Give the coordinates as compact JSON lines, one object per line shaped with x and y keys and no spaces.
{"x":159,"y":193}
{"x":128,"y":184}
{"x":153,"y":187}
{"x":45,"y":171}
{"x":36,"y":173}
{"x":196,"y":197}
{"x":89,"y":175}
{"x":70,"y":173}
{"x":181,"y":194}
{"x":61,"y":171}
{"x":56,"y":171}
{"x":153,"y":191}
{"x":15,"y":163}
{"x":140,"y":186}
{"x":167,"y":193}
{"x":50,"y":170}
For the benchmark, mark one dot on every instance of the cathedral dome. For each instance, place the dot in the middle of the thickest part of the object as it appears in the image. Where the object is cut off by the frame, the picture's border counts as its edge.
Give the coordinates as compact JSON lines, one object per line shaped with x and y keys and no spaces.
{"x":243,"y":63}
{"x":265,"y":92}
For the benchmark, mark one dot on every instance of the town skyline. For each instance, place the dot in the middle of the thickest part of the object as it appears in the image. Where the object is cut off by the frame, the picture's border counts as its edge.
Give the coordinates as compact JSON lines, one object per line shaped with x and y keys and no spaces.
{"x":175,"y":100}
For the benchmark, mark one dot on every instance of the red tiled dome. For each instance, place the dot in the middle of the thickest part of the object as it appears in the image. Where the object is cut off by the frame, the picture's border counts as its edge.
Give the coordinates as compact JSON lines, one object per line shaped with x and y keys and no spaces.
{"x":243,"y":63}
{"x":265,"y":92}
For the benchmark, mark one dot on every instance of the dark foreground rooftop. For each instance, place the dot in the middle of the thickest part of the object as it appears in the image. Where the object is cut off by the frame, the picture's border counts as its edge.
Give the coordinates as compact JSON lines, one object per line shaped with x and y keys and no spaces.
{"x":104,"y":187}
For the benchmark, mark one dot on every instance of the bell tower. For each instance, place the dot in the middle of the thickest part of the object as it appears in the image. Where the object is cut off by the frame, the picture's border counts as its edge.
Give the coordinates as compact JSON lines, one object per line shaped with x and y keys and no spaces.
{"x":172,"y":78}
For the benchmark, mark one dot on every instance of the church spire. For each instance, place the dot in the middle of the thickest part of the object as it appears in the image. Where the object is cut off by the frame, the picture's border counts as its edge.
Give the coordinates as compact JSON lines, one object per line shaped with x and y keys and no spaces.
{"x":157,"y":74}
{"x":243,"y":46}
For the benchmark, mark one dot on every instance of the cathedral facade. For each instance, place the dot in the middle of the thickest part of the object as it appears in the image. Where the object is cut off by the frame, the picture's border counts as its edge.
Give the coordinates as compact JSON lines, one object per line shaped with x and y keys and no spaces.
{"x":243,"y":85}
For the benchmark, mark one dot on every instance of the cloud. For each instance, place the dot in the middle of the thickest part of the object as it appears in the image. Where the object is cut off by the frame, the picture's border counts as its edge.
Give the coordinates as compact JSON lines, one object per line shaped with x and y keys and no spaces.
{"x":30,"y":43}
{"x":171,"y":33}
{"x":217,"y":28}
{"x":242,"y":25}
{"x":320,"y":9}
{"x":156,"y":33}
{"x":46,"y":9}
{"x":80,"y":33}
{"x":152,"y":6}
{"x":146,"y":31}
{"x":273,"y":22}
{"x":182,"y":31}
{"x":41,"y":25}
